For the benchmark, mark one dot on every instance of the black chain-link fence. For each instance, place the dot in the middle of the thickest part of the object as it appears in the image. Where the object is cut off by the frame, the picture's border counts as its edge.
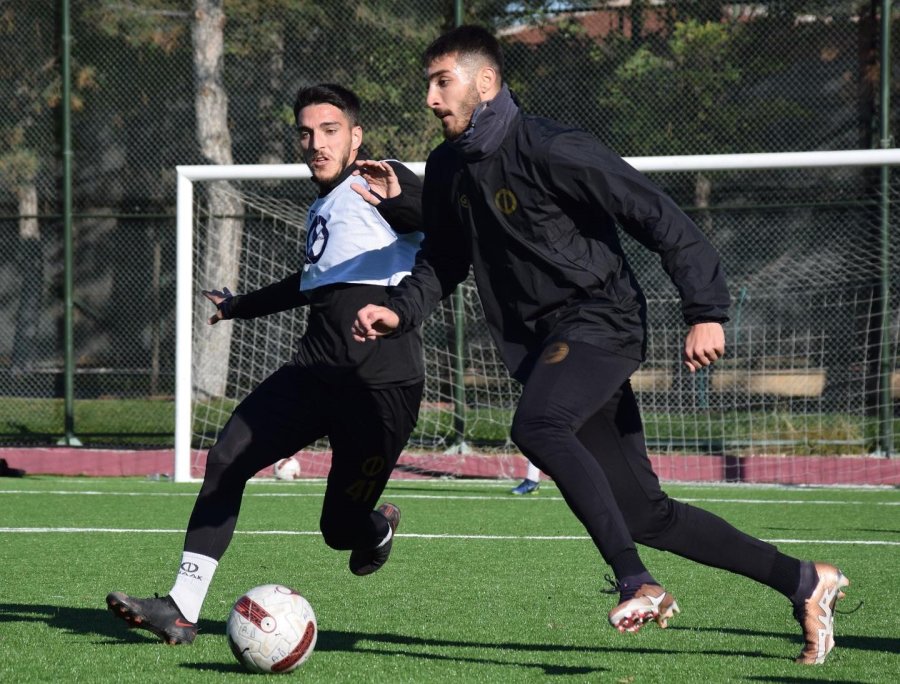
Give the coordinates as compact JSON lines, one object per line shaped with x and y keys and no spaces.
{"x":676,"y":77}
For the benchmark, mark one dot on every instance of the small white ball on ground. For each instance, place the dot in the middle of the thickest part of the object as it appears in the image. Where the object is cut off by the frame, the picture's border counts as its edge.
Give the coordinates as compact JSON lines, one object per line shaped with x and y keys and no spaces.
{"x":287,"y":469}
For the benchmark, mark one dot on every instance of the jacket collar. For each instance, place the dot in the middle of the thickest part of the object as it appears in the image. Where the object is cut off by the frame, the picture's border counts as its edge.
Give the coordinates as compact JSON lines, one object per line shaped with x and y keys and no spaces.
{"x":488,"y":127}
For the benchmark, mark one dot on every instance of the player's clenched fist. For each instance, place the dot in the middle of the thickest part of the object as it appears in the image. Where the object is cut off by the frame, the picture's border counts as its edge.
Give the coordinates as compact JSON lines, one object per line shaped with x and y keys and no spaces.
{"x":374,"y":321}
{"x":704,"y":344}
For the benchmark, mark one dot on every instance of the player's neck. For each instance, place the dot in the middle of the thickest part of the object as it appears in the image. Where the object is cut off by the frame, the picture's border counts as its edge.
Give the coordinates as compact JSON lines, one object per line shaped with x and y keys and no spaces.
{"x":326,"y":187}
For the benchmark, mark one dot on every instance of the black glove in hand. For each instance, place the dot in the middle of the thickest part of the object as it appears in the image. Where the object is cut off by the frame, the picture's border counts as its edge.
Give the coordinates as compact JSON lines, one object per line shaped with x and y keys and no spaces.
{"x":222,"y":299}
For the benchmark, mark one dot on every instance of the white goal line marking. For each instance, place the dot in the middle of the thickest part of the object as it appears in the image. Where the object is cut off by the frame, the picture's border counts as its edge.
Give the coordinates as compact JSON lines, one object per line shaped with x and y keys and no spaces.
{"x":474,"y":497}
{"x":478,"y":537}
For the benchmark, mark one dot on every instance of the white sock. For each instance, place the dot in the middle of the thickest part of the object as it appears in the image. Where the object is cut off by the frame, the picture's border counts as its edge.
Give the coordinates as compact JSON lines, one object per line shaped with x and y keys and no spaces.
{"x":192,"y":582}
{"x":534,"y":473}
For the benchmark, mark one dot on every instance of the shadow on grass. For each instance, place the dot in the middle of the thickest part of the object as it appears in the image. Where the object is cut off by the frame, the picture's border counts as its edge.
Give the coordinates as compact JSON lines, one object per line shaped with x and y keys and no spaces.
{"x":814,"y":678}
{"x":87,"y":621}
{"x":100,"y":622}
{"x":66,"y":619}
{"x":842,"y":641}
{"x":393,"y":645}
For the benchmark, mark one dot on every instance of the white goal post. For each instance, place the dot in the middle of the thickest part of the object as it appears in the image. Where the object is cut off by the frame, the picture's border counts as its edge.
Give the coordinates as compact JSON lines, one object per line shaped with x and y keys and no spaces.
{"x":187,"y":296}
{"x":187,"y":176}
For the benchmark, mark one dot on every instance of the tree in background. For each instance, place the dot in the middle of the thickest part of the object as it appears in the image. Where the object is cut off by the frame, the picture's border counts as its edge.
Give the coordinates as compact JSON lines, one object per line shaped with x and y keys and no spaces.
{"x":697,"y":106}
{"x":691,"y":79}
{"x":261,"y":52}
{"x":554,"y":67}
{"x":30,"y":96}
{"x":163,"y":23}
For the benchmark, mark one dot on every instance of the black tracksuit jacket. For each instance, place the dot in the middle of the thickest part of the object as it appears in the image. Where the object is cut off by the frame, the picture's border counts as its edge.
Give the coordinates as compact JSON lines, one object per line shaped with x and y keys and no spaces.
{"x":537,"y":220}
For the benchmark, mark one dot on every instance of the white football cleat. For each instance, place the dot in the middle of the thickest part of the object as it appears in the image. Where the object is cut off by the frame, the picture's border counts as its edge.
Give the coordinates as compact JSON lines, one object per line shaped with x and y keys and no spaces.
{"x":650,"y":602}
{"x":816,"y":614}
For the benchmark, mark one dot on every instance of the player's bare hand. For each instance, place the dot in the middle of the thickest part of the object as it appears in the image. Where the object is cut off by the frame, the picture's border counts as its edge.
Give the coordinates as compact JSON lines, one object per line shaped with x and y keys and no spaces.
{"x":373,"y":322}
{"x":222,"y":299}
{"x":705,"y":344}
{"x":382,"y":180}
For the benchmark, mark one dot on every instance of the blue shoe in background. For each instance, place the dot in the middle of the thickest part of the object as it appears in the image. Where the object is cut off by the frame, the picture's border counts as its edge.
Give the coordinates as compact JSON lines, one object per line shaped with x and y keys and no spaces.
{"x":527,"y":487}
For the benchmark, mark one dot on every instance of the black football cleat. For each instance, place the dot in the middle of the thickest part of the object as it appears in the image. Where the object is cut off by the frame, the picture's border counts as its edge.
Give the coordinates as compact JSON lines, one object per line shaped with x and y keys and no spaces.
{"x":158,"y":615}
{"x":367,"y":561}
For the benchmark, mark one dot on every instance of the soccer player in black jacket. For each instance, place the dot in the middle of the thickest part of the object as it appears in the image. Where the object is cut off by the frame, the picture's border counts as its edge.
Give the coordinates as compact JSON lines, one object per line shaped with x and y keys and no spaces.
{"x":534,"y":207}
{"x":359,"y":245}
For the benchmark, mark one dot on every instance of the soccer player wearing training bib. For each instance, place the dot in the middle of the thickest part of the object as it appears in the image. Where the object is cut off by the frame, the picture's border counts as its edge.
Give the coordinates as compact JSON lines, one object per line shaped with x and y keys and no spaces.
{"x":365,"y":399}
{"x":535,"y":207}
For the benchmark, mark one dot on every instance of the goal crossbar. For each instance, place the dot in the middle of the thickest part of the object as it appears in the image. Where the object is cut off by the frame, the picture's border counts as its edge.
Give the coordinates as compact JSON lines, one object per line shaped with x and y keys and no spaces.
{"x":187,"y":175}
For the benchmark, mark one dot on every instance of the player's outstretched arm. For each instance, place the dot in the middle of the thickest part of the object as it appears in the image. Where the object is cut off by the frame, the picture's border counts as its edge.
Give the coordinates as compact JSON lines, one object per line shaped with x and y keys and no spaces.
{"x":704,"y":344}
{"x":273,"y":298}
{"x":373,"y":322}
{"x":222,"y":299}
{"x":382,"y":180}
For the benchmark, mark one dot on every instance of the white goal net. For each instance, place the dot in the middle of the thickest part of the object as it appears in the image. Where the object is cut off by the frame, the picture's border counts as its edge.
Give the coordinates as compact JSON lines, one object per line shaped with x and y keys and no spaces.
{"x":808,"y":390}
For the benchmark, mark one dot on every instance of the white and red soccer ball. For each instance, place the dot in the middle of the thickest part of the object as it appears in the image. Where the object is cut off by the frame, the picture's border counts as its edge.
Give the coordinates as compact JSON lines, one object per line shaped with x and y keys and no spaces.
{"x":272,"y":629}
{"x":287,"y":469}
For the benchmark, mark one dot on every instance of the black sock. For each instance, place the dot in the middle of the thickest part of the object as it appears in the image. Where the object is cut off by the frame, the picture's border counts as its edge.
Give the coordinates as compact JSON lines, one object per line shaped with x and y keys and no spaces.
{"x":784,"y":575}
{"x":805,"y":585}
{"x":631,"y":583}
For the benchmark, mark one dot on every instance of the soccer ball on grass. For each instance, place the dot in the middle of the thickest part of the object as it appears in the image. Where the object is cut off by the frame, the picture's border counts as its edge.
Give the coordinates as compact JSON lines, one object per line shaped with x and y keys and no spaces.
{"x":287,"y":469}
{"x":271,"y":629}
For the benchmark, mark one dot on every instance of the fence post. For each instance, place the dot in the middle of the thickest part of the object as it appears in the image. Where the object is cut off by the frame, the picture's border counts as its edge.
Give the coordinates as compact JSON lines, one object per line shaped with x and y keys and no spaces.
{"x":69,"y":438}
{"x":459,"y":347}
{"x":886,"y":431}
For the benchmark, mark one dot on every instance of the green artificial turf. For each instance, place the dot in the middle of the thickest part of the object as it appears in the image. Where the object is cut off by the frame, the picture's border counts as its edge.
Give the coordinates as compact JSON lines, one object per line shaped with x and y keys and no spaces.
{"x":481,"y":587}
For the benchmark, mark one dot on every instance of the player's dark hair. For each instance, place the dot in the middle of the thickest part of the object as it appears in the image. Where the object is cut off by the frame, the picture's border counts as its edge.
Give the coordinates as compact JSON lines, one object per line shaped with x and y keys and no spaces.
{"x":328,"y":93}
{"x":466,"y":40}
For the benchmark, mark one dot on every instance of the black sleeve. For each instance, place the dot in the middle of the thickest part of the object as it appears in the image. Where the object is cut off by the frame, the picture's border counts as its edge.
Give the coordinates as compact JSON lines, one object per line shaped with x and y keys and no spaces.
{"x":404,"y":212}
{"x":445,"y":255}
{"x":584,"y":171}
{"x":280,"y":296}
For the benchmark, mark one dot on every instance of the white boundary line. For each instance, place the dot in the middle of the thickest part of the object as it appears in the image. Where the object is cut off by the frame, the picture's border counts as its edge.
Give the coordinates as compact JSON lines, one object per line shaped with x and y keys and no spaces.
{"x":455,"y":497}
{"x":476,"y":537}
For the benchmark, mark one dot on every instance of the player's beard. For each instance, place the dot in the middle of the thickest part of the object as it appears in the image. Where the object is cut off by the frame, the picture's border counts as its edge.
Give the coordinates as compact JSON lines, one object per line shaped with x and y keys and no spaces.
{"x":463,"y":115}
{"x":327,"y":178}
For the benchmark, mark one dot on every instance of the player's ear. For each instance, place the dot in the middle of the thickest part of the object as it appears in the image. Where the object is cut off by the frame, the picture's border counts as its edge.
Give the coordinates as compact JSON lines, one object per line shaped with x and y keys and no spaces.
{"x":488,"y":82}
{"x":356,"y":137}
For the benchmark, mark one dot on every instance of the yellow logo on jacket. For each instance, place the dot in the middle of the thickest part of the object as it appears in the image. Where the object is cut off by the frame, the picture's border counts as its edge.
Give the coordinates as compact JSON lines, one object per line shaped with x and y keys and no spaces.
{"x":505,"y":201}
{"x":555,"y":353}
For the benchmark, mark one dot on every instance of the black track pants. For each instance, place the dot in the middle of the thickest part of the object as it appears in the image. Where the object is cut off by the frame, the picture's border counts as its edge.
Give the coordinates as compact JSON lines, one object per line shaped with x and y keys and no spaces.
{"x":288,"y":411}
{"x":579,"y":422}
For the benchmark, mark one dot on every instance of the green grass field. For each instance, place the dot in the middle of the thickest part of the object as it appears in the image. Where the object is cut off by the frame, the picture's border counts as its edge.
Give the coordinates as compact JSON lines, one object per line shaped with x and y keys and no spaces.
{"x":481,"y":587}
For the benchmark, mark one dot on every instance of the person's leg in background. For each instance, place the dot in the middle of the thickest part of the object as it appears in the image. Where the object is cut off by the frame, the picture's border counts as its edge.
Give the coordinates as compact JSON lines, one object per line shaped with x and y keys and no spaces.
{"x":531,"y":483}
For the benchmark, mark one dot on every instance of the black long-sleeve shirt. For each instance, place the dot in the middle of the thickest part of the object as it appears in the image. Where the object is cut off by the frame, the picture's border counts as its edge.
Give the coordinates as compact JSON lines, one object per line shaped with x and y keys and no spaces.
{"x":537,"y":220}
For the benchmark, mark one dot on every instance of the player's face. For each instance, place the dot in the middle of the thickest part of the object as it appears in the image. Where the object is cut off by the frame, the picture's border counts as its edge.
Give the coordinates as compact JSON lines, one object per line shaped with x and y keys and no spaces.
{"x":328,"y":140}
{"x":452,"y":94}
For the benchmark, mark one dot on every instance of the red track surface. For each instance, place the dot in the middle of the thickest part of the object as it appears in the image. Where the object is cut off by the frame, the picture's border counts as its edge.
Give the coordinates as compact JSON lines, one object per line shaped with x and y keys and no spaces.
{"x":692,"y":468}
